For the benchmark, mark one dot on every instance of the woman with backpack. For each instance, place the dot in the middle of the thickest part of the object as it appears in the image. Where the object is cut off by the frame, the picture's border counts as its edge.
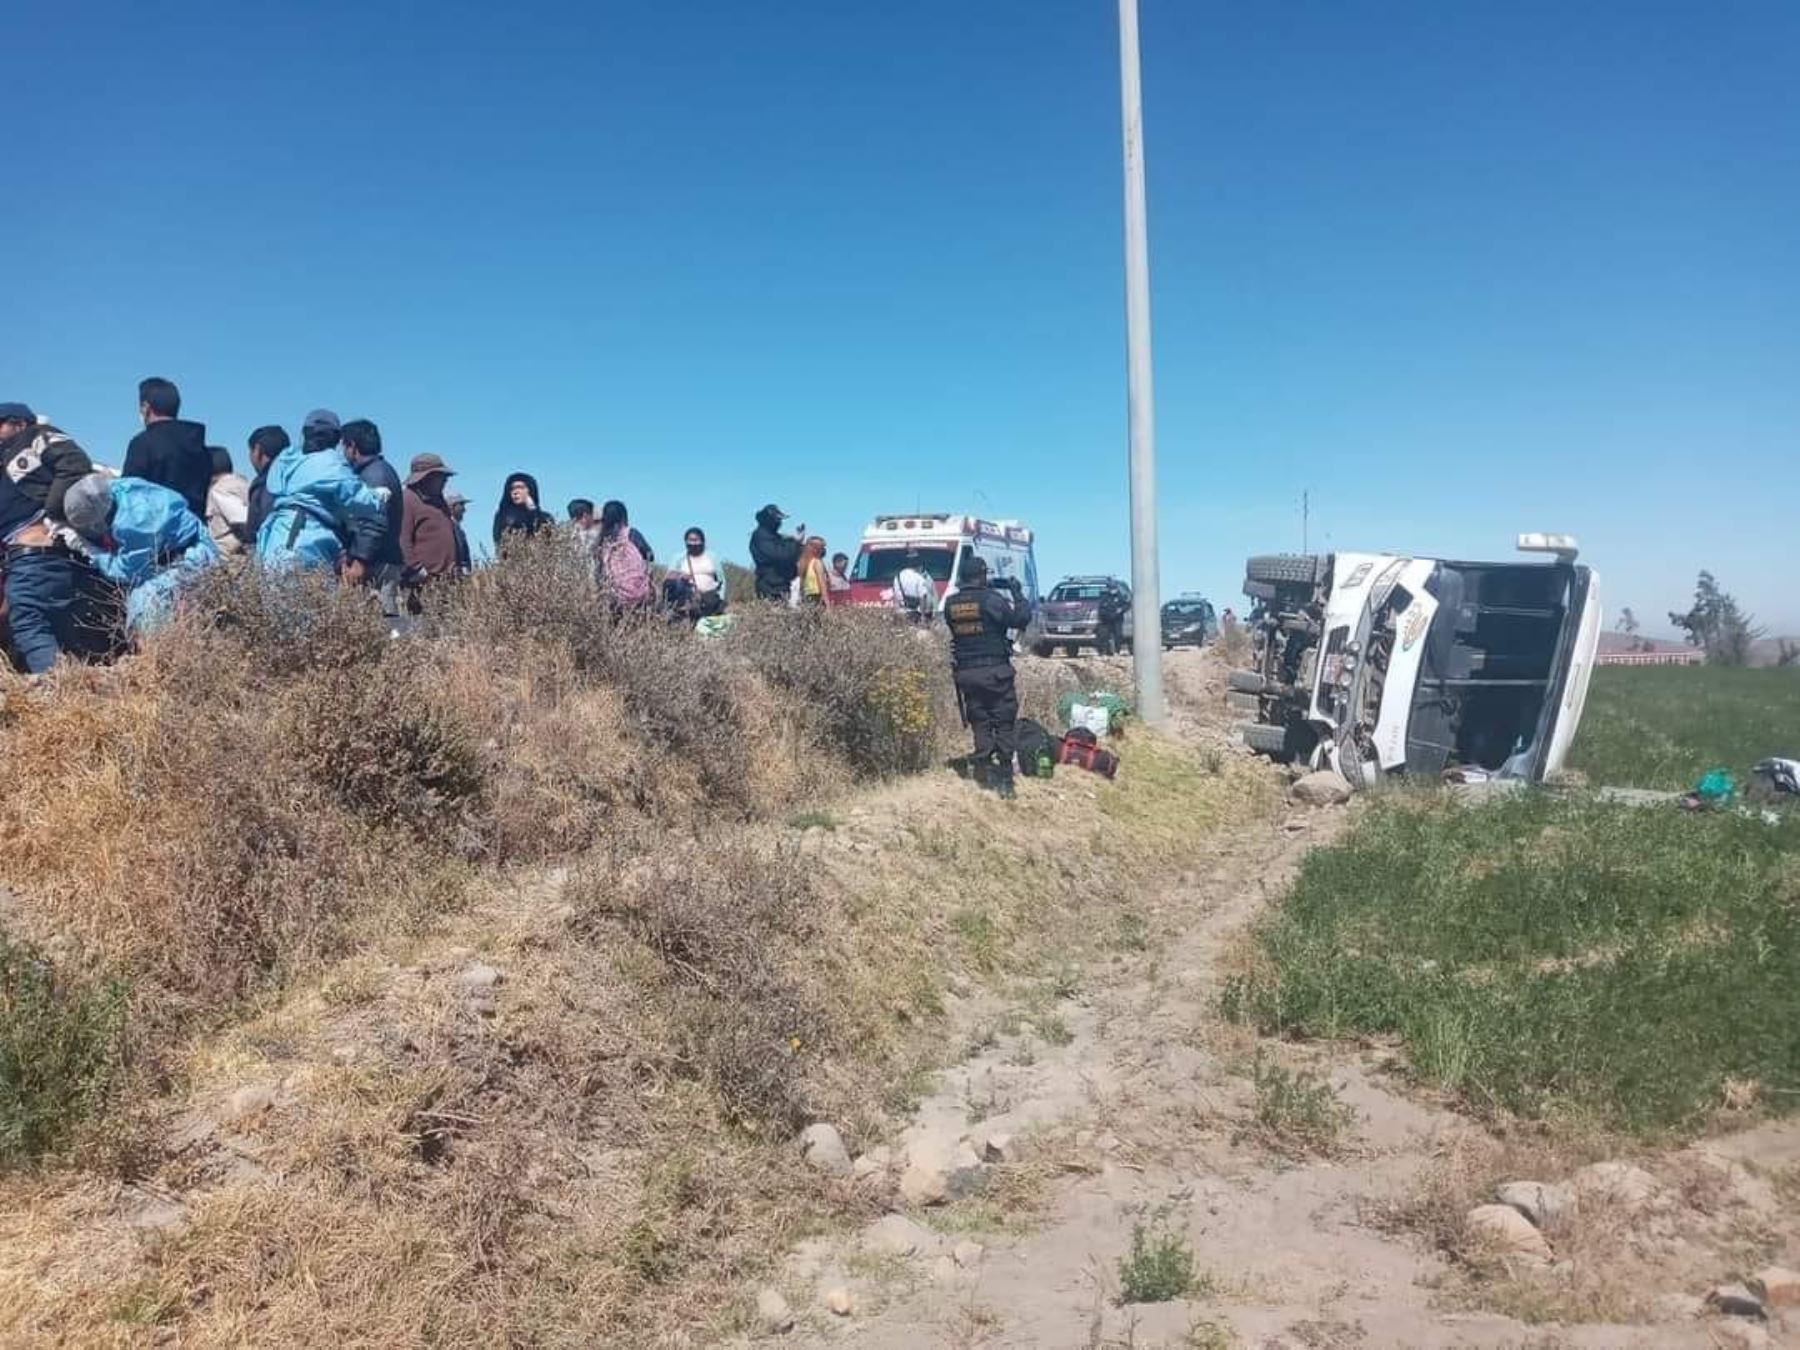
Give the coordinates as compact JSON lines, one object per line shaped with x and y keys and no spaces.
{"x":624,"y":571}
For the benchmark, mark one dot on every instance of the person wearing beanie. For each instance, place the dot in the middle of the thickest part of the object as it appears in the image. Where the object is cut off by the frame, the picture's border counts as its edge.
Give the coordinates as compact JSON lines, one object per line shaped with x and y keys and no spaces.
{"x":142,"y":538}
{"x":55,"y":602}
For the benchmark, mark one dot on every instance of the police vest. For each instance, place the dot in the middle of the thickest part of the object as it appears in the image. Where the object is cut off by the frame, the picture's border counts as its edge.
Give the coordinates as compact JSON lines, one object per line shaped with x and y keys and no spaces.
{"x":976,"y":639}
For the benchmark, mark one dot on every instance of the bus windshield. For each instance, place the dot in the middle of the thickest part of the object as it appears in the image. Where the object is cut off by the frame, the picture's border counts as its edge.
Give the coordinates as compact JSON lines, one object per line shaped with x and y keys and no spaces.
{"x":884,"y":564}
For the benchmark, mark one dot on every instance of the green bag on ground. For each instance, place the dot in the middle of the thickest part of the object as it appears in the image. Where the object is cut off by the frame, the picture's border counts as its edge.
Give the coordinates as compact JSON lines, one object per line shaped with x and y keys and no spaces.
{"x":1115,"y":708}
{"x":1716,"y":787}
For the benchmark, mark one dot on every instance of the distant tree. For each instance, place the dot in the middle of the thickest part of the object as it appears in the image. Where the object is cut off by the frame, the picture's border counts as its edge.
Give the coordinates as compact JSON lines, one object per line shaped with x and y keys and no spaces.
{"x":1717,"y":625}
{"x":1628,"y":622}
{"x":1787,"y":652}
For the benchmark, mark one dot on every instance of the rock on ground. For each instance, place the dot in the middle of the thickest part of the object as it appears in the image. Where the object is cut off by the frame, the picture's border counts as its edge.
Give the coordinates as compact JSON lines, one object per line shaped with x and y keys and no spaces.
{"x":1777,"y":1287}
{"x":1622,"y":1184}
{"x":840,"y":1301}
{"x":897,"y":1235}
{"x":1327,"y":787}
{"x":1545,"y":1205}
{"x":1508,"y":1233}
{"x":478,"y":976}
{"x":1735,"y":1300}
{"x":823,"y":1148}
{"x":248,"y":1103}
{"x":773,"y":1313}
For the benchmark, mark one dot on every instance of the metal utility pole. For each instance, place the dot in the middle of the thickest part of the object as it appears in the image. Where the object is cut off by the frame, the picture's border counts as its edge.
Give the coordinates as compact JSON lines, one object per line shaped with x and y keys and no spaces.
{"x":1146,"y":588}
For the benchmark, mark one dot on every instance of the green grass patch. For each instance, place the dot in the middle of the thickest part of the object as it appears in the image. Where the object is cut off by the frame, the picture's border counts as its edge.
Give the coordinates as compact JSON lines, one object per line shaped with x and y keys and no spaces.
{"x":1664,"y":726}
{"x":1160,"y":1265}
{"x":1296,"y":1111}
{"x":61,"y":1052}
{"x":1550,"y":956}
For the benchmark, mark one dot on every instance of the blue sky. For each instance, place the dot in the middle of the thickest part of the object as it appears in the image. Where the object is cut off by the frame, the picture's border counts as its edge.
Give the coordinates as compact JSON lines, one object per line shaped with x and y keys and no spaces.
{"x":1458,"y":270}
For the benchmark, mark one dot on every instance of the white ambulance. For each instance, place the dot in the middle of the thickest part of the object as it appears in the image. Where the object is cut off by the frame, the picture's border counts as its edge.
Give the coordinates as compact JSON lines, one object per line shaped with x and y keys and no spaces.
{"x":936,"y":543}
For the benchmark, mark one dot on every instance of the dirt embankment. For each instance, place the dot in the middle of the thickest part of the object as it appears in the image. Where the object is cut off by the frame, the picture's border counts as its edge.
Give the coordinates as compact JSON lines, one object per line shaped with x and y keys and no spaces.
{"x":567,"y":1113}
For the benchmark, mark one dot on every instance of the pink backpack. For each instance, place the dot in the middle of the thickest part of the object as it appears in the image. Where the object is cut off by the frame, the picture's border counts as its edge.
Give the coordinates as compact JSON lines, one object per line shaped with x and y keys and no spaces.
{"x":623,"y":571}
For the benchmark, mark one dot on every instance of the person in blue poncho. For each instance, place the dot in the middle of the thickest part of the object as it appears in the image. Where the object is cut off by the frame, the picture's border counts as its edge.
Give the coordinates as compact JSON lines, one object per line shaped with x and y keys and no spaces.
{"x":317,"y":498}
{"x":142,"y":537}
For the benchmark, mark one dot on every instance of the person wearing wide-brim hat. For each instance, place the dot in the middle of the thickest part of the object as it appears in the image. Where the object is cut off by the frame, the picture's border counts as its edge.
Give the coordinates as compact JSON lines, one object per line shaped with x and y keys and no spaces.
{"x":427,"y":530}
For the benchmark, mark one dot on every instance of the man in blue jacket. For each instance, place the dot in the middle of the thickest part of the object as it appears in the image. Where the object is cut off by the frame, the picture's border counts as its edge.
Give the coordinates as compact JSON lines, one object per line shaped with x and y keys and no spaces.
{"x":141,"y":537}
{"x":317,"y":501}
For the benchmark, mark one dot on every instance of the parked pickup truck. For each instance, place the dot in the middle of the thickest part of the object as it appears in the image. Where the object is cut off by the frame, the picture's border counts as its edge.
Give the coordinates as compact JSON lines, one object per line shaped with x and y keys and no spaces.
{"x":1084,"y":612}
{"x":1381,"y":663}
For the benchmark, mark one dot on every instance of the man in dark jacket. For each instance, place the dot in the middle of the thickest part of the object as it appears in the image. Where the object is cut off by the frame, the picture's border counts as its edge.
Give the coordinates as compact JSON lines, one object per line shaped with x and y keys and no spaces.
{"x":775,"y":556}
{"x":459,"y":506}
{"x":427,"y":532}
{"x":981,"y":621}
{"x":168,"y":450}
{"x":55,"y":601}
{"x":374,"y":555}
{"x":265,"y":444}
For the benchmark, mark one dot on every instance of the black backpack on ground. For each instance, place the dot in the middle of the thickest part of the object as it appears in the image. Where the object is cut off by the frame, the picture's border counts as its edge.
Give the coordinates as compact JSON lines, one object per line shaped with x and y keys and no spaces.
{"x":1033,"y":741}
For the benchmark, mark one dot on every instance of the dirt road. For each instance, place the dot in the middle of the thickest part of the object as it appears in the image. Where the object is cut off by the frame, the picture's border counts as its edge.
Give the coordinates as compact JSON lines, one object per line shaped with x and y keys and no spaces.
{"x":1146,"y":1118}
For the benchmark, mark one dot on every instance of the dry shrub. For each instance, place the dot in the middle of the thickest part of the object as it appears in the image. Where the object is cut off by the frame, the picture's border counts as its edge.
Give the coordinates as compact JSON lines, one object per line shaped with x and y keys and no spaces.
{"x":727,"y":921}
{"x":170,"y":841}
{"x":874,"y":689}
{"x":291,"y":621}
{"x":380,"y":742}
{"x":541,"y":593}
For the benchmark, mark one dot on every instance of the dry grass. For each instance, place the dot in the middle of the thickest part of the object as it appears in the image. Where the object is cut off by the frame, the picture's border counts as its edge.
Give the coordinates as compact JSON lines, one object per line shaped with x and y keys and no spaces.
{"x":598,"y":1149}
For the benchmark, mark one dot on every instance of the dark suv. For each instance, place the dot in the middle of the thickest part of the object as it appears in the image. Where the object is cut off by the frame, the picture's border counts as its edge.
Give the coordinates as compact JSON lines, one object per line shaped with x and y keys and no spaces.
{"x":1085,"y":612}
{"x":1189,"y":621}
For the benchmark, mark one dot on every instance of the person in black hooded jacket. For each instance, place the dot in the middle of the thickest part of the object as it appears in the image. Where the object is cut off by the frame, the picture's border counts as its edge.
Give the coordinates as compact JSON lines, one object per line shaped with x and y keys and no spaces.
{"x":776,"y":556}
{"x":519,"y":511}
{"x":168,"y":450}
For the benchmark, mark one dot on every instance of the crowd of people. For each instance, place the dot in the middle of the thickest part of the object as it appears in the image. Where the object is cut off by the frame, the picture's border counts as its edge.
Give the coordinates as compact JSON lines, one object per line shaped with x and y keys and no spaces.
{"x":94,"y":557}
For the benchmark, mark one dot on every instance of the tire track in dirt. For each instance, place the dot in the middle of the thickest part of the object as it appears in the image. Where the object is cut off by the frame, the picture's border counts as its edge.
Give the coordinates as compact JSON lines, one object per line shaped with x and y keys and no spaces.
{"x":1146,"y":1115}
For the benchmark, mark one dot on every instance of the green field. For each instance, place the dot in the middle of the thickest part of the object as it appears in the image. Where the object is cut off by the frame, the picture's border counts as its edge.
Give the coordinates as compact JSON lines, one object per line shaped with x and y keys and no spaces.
{"x":1551,"y":956}
{"x":1554,"y":956}
{"x":1664,"y":726}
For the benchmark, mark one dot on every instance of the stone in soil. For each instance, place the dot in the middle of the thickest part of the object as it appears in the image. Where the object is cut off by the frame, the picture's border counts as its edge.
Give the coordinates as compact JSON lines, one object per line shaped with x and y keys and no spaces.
{"x":823,"y":1148}
{"x":840,"y":1301}
{"x":1777,"y":1287}
{"x":875,"y":1161}
{"x":248,"y":1103}
{"x":1620,"y":1184}
{"x":1508,"y":1233}
{"x":1735,"y":1300}
{"x":1327,"y":787}
{"x":478,"y":976}
{"x":968,"y":1253}
{"x":999,"y":1147}
{"x":773,"y":1313}
{"x":897,"y":1235}
{"x":1545,"y":1205}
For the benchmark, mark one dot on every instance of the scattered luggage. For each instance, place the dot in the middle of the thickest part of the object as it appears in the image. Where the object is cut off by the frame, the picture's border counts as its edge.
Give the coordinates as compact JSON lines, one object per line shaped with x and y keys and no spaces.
{"x":1082,"y":749}
{"x":1037,"y":749}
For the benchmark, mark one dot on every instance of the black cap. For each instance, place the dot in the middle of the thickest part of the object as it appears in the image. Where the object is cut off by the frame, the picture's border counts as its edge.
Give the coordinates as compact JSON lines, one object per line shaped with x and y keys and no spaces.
{"x":16,"y":412}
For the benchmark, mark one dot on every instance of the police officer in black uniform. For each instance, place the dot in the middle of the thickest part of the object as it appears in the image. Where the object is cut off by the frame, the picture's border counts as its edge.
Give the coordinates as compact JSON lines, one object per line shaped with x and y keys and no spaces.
{"x":980,"y":620}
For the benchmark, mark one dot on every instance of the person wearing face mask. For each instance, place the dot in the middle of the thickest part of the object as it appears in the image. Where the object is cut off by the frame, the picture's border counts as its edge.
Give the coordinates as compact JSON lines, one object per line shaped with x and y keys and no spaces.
{"x":695,"y":587}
